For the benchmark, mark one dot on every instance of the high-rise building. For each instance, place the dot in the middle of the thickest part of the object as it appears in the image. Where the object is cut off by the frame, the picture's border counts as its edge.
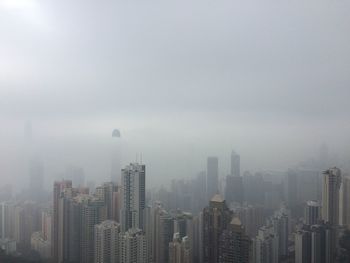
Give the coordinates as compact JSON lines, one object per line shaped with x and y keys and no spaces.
{"x":133,"y":196}
{"x":115,"y":156}
{"x":107,"y":242}
{"x":312,"y":213}
{"x":252,"y":217}
{"x":57,"y":192}
{"x":313,"y":244}
{"x":280,"y":223}
{"x":162,"y":235}
{"x":212,"y":176}
{"x":290,"y":185}
{"x":234,"y":189}
{"x":106,"y":193}
{"x":216,"y":218}
{"x":179,"y":250}
{"x":133,"y":247}
{"x":235,"y":164}
{"x":302,"y":246}
{"x":234,"y":244}
{"x":344,"y":216}
{"x":330,"y":195}
{"x":36,"y":180}
{"x":265,"y":246}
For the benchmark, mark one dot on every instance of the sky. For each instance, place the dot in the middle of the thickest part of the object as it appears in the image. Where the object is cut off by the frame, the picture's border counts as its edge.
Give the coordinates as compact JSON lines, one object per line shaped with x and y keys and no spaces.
{"x":182,"y":80}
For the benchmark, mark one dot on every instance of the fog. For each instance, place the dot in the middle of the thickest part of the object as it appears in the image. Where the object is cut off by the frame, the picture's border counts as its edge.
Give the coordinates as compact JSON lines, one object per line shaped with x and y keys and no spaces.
{"x":181,"y":80}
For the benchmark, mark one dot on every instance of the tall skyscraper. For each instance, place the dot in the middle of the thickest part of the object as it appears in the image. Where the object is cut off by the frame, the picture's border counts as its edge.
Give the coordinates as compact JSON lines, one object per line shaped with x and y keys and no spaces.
{"x":107,"y":242}
{"x":57,"y":191}
{"x":133,"y":196}
{"x":216,"y":218}
{"x":235,"y":164}
{"x":312,"y":213}
{"x":179,"y":250}
{"x":344,"y":201}
{"x":106,"y":193}
{"x":330,"y":195}
{"x":212,"y":176}
{"x":280,"y":223}
{"x":234,"y":244}
{"x":302,"y":246}
{"x":115,"y":156}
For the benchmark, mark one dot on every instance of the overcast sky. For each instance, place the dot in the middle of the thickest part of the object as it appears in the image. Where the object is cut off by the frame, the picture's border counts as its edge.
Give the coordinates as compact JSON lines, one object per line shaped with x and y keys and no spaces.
{"x":181,"y":79}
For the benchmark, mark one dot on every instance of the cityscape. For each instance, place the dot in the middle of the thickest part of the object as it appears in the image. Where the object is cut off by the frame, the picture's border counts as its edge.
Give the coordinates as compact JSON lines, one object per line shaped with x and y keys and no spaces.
{"x":302,"y":215}
{"x":174,"y":131}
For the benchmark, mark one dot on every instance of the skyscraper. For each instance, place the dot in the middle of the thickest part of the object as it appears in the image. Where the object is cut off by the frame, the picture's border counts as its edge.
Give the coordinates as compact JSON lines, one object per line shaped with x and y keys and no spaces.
{"x":107,"y":242}
{"x":235,"y":164}
{"x":344,"y":201}
{"x":57,"y":191}
{"x":312,"y":213}
{"x":212,"y":176}
{"x":216,"y":218}
{"x":234,"y":244}
{"x":115,"y":156}
{"x":133,"y":196}
{"x":330,"y":195}
{"x":265,"y":246}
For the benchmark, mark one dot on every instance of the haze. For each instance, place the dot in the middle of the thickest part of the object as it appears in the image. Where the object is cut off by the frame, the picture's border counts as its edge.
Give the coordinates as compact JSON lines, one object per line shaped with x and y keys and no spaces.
{"x":182,"y":80}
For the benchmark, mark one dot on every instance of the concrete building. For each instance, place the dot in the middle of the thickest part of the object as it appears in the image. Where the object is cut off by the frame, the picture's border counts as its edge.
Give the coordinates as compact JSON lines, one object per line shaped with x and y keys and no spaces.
{"x":133,"y":196}
{"x":133,"y":247}
{"x":234,"y":244}
{"x":107,"y":242}
{"x":330,"y":195}
{"x":312,"y":213}
{"x":216,"y":218}
{"x":212,"y":176}
{"x":265,"y":246}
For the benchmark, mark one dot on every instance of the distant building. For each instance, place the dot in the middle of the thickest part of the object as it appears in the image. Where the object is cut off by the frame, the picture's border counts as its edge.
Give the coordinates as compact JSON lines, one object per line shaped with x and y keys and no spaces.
{"x":41,"y":245}
{"x":265,"y":246}
{"x":344,"y":217}
{"x":179,"y":250}
{"x":212,"y":176}
{"x":235,"y":164}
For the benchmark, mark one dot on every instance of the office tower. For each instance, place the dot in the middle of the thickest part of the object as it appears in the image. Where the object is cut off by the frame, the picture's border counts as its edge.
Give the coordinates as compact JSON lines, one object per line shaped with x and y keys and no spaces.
{"x":115,"y":156}
{"x":252,"y":217}
{"x":212,"y":176}
{"x":163,"y":234}
{"x":330,"y":195}
{"x":179,"y":250}
{"x":234,"y":189}
{"x":57,"y":191}
{"x":321,"y":244}
{"x":280,"y":226}
{"x":93,"y":213}
{"x":106,"y":193}
{"x":290,"y":188}
{"x":265,"y":246}
{"x":133,"y":247}
{"x":344,"y":202}
{"x":216,"y":217}
{"x":234,"y":244}
{"x":302,"y":246}
{"x":199,"y":189}
{"x":235,"y":164}
{"x":312,"y":213}
{"x":133,"y":196}
{"x":107,"y":242}
{"x":313,"y":244}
